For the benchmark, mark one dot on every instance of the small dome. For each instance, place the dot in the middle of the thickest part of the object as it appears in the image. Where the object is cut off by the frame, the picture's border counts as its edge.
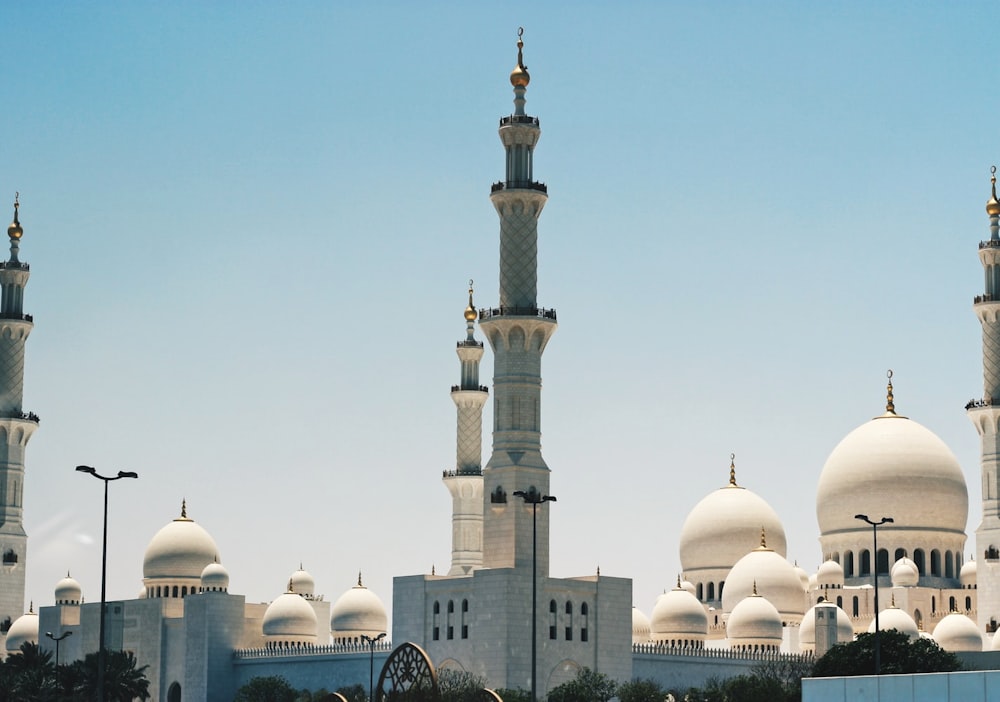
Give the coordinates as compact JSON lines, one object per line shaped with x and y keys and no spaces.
{"x":904,"y":573}
{"x":23,"y":630}
{"x":181,"y":549}
{"x":766,"y":573}
{"x":679,"y":616}
{"x":290,"y":618}
{"x":725,"y":526}
{"x":358,"y":611}
{"x":640,"y":626}
{"x":803,"y":575}
{"x":754,"y":622}
{"x":807,"y":631}
{"x":895,"y":618}
{"x":303,"y":583}
{"x":830,"y":574}
{"x":215,"y":578}
{"x":68,"y":591}
{"x":967,"y":576}
{"x":957,"y":632}
{"x":519,"y":77}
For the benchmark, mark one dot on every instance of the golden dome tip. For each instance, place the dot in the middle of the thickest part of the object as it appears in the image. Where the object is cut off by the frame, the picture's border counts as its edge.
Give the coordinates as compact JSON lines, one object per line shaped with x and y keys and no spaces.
{"x":993,"y":205}
{"x":14,"y":231}
{"x":519,"y":77}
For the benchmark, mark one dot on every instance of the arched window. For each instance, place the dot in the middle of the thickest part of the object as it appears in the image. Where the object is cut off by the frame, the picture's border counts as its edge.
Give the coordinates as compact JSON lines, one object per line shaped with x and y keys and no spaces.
{"x":175,"y":591}
{"x":900,"y":553}
{"x":918,"y":559}
{"x":918,"y":617}
{"x":552,"y":619}
{"x":174,"y":693}
{"x":9,"y":557}
{"x":569,"y":621}
{"x":935,"y":562}
{"x":949,"y":564}
{"x":866,"y":562}
{"x":722,"y":584}
{"x":711,"y":592}
{"x":854,"y":608}
{"x":951,"y":605}
{"x":849,"y":564}
{"x":835,"y":557}
{"x":882,"y":561}
{"x":933,"y":605}
{"x":968,"y":604}
{"x":840,"y":601}
{"x":465,"y":619}
{"x":585,"y":622}
{"x":451,"y":619}
{"x":437,"y":621}
{"x":701,"y":592}
{"x":184,"y":591}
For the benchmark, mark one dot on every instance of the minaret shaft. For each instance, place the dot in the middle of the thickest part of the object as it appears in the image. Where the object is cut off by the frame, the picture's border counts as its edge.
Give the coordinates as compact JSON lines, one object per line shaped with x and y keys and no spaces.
{"x":16,"y":428}
{"x":518,"y":332}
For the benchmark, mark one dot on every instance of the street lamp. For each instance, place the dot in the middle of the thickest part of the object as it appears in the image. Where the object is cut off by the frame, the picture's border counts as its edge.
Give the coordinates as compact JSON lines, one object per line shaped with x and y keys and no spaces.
{"x":534,"y":498}
{"x":101,"y":656}
{"x":875,"y":526}
{"x":371,"y":662}
{"x":57,"y":639}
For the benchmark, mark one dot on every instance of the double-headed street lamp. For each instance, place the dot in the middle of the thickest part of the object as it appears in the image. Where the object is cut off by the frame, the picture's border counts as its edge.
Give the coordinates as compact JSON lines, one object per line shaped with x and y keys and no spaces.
{"x":371,"y":641}
{"x":57,"y":639}
{"x":104,"y":568}
{"x":875,"y":526}
{"x":534,"y":498}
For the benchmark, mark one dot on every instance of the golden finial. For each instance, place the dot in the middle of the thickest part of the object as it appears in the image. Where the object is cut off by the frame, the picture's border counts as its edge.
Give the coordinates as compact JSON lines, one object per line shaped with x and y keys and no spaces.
{"x":678,"y":581}
{"x":598,"y":571}
{"x":993,"y":205}
{"x":755,"y":588}
{"x":732,"y":470}
{"x":890,"y":408}
{"x":763,"y":538}
{"x":184,"y":508}
{"x":14,"y":231}
{"x":359,"y":579}
{"x":432,"y":569}
{"x":470,"y":311}
{"x":290,"y":585}
{"x":519,"y":77}
{"x":892,"y":601}
{"x":31,"y":607}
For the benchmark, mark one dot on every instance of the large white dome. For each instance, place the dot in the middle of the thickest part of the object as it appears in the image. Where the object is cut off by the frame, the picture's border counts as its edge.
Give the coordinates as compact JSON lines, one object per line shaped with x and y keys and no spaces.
{"x":640,"y":626}
{"x":895,"y":618}
{"x":23,"y":630}
{"x":290,"y":618}
{"x":724,"y":527}
{"x":892,"y":466}
{"x":754,"y":622}
{"x":679,"y":617}
{"x":957,"y":632}
{"x":181,"y":549}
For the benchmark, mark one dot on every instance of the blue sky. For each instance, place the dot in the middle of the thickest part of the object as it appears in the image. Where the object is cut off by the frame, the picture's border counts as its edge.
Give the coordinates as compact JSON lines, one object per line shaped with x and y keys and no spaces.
{"x":251,"y":225}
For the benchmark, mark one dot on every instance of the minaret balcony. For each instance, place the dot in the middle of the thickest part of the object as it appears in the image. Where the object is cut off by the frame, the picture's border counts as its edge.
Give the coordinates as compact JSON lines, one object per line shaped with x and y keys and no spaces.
{"x":465,"y":472}
{"x":471,"y":344}
{"x":507,"y":311}
{"x":985,"y":402}
{"x":990,"y":244}
{"x":15,"y":264}
{"x":520,"y":119}
{"x":480,"y":388}
{"x":519,"y":185}
{"x":17,"y":315}
{"x":29,"y":416}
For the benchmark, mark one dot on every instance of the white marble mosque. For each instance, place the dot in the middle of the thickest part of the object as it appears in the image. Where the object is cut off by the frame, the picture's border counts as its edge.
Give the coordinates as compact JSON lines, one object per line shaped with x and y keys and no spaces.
{"x":738,"y":601}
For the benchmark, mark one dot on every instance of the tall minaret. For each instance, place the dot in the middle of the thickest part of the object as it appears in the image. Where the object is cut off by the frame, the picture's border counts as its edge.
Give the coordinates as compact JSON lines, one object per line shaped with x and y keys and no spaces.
{"x":16,"y":428}
{"x":518,"y":331}
{"x":466,"y":482}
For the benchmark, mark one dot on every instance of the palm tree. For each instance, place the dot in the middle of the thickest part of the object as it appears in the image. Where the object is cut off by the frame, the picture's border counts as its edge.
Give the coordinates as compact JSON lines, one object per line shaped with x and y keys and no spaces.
{"x":123,"y":681}
{"x":29,"y":676}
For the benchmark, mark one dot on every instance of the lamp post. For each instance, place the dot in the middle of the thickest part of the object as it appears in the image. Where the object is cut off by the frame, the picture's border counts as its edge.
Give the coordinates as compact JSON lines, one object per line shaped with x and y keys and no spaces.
{"x":101,"y":655}
{"x":371,"y":662}
{"x":875,"y":526}
{"x":57,"y":639}
{"x":534,"y":498}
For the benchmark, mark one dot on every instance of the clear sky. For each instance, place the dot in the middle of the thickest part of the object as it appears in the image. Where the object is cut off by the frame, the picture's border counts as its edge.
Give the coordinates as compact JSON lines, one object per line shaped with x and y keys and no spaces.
{"x":251,"y":226}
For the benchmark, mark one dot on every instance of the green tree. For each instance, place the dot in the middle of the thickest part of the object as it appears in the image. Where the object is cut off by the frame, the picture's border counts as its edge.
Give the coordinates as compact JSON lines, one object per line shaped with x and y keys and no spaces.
{"x":641,"y":691}
{"x":513,"y":694}
{"x":460,"y":685}
{"x":355,"y":693}
{"x":587,"y":685}
{"x":29,"y":676}
{"x":123,"y":680}
{"x":897,"y":654}
{"x":272,"y":688}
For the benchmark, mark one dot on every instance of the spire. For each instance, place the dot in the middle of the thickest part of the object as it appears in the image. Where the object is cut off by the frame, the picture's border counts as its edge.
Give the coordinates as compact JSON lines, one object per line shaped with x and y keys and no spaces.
{"x":470,"y":317}
{"x":359,"y":579}
{"x":755,"y":588}
{"x":678,"y":581}
{"x":732,"y":470}
{"x":184,"y":508}
{"x":519,"y":77}
{"x":890,"y":406}
{"x":992,"y":205}
{"x":290,"y":587}
{"x":14,"y":231}
{"x":763,"y":539}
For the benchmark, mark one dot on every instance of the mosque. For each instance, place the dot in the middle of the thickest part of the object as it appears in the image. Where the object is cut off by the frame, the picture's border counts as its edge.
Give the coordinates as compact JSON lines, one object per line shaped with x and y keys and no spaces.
{"x":737,"y":602}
